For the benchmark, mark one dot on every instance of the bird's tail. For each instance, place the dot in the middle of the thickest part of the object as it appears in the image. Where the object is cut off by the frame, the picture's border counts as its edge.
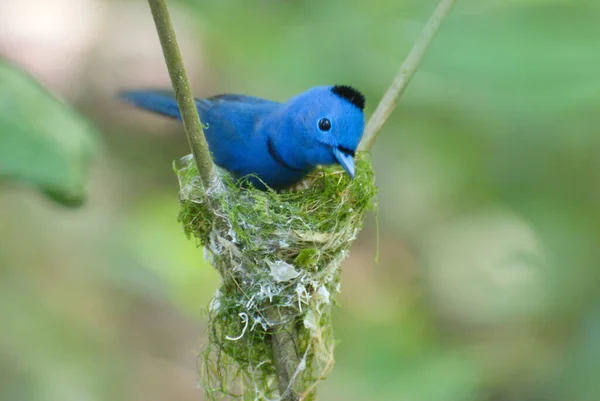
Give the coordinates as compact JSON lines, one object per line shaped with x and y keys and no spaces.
{"x":161,"y":102}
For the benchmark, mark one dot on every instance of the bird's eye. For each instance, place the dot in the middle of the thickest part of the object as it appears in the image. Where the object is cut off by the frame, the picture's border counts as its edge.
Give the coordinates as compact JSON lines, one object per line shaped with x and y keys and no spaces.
{"x":324,"y":124}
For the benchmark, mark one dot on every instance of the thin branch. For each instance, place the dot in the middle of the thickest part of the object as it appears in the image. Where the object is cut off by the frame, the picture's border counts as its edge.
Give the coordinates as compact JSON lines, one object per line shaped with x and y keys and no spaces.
{"x":407,"y":70}
{"x":185,"y":99}
{"x":285,"y":357}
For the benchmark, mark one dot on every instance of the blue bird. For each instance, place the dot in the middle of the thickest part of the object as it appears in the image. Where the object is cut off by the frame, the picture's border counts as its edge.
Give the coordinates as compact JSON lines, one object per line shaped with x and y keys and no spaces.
{"x":280,"y":143}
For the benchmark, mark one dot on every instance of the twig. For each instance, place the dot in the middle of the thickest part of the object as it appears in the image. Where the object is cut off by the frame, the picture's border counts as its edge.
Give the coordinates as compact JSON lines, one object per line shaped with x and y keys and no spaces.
{"x":285,"y":357}
{"x":185,"y":99}
{"x":407,"y":70}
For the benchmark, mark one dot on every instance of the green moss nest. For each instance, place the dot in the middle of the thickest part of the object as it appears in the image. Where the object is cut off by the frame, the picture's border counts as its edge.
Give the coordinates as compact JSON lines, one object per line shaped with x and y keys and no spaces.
{"x":279,"y":256}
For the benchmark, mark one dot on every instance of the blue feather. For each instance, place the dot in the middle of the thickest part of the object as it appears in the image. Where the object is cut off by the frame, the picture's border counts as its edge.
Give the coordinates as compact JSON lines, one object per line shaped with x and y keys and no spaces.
{"x":161,"y":102}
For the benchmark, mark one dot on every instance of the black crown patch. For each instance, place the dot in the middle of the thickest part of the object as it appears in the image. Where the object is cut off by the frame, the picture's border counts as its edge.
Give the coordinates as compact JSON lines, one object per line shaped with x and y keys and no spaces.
{"x":350,"y":94}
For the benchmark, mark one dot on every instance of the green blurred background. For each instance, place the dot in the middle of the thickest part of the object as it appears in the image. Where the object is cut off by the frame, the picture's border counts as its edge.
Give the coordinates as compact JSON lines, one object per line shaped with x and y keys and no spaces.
{"x":487,"y":286}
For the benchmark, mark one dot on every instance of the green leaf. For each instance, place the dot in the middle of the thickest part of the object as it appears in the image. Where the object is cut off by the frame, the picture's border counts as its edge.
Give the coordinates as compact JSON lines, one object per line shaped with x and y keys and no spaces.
{"x":43,"y":141}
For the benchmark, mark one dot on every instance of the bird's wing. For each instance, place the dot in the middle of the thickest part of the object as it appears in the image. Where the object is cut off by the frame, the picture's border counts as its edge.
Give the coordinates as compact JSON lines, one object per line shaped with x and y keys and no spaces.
{"x":164,"y":102}
{"x":231,"y":123}
{"x":236,"y":102}
{"x":232,"y":129}
{"x":235,"y":116}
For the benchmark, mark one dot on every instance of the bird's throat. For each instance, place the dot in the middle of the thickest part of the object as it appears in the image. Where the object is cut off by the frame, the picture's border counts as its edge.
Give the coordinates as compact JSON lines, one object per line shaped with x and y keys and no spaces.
{"x":277,"y":157}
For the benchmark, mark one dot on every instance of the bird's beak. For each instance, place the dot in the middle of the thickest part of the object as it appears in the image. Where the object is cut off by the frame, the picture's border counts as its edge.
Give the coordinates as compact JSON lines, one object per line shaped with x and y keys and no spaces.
{"x":346,"y":160}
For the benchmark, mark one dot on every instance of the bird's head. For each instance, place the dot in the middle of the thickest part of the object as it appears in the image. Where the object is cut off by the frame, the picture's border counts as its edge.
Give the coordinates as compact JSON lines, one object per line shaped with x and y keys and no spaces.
{"x":328,"y":124}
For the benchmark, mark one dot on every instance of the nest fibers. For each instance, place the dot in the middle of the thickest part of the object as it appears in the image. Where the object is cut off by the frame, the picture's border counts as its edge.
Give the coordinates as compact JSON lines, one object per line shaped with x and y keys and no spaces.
{"x":279,"y":255}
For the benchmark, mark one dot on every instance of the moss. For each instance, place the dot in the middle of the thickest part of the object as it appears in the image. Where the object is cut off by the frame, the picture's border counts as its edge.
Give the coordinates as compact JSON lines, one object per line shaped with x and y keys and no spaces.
{"x":278,"y":254}
{"x":307,"y":257}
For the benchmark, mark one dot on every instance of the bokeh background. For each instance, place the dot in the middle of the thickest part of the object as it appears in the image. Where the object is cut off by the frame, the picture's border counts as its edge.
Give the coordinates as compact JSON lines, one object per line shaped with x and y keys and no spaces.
{"x":487,"y":281}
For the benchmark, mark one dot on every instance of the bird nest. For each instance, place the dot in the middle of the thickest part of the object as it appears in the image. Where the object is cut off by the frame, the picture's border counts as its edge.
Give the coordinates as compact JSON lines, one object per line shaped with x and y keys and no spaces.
{"x":279,"y":256}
